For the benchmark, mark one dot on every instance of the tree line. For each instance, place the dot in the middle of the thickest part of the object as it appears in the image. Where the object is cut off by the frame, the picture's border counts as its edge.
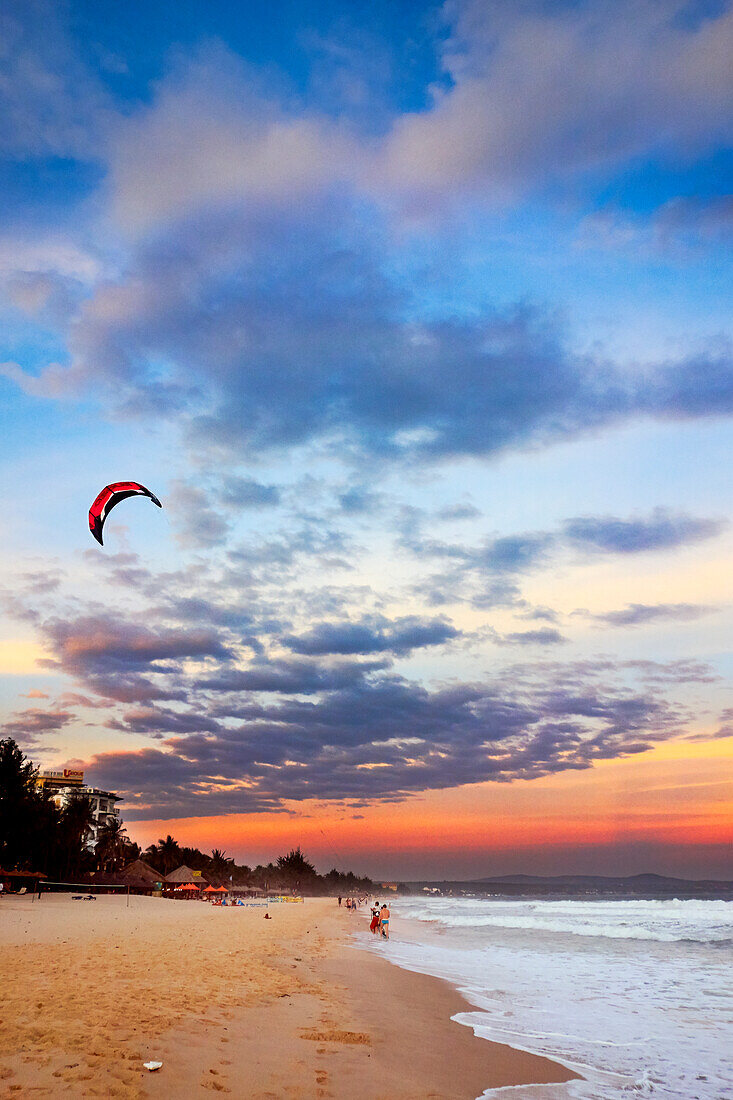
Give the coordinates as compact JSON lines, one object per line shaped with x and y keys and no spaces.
{"x":38,"y":835}
{"x":293,"y":871}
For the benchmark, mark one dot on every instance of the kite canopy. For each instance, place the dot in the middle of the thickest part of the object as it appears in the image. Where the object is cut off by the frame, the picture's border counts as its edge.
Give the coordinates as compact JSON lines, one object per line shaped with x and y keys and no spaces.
{"x":110,"y":496}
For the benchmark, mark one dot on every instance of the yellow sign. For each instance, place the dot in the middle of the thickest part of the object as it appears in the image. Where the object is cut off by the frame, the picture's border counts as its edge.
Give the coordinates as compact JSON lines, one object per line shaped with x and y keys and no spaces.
{"x":69,"y":777}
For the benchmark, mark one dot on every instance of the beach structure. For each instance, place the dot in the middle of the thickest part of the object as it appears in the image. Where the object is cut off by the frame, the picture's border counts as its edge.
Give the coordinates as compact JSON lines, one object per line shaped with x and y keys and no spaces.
{"x":65,"y":784}
{"x":184,"y":876}
{"x":141,"y":877}
{"x":21,"y":881}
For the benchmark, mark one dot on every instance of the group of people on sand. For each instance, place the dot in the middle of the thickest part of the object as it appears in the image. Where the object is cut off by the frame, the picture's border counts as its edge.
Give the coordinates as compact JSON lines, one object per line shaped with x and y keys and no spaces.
{"x":379,"y":923}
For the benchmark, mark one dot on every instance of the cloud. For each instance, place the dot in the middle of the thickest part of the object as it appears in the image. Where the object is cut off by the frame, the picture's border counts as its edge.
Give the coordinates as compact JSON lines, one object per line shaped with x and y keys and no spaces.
{"x":663,"y":530}
{"x":115,"y":658}
{"x":683,"y":227}
{"x":453,"y":512}
{"x":544,"y":613}
{"x":261,"y":327}
{"x":289,"y":676}
{"x":486,"y":575}
{"x":514,"y":553}
{"x":638,"y":614}
{"x":381,"y":736}
{"x":358,"y":500}
{"x":196,"y":521}
{"x":30,"y":725}
{"x":51,"y":104}
{"x":245,"y":492}
{"x":34,"y":693}
{"x":373,"y":635}
{"x":543,"y":92}
{"x":97,"y":644}
{"x":546,"y":636}
{"x":240,"y":727}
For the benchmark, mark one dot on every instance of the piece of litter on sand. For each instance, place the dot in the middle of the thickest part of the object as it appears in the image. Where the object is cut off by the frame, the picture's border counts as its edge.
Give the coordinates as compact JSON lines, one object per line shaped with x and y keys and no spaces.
{"x":152,"y":1066}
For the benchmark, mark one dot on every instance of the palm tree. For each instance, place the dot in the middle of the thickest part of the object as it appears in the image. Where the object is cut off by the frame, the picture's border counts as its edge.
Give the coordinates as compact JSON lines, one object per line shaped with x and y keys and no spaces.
{"x":77,"y":820}
{"x":221,"y":866}
{"x":133,"y":851}
{"x":295,"y":868}
{"x":111,"y":841}
{"x":170,"y":853}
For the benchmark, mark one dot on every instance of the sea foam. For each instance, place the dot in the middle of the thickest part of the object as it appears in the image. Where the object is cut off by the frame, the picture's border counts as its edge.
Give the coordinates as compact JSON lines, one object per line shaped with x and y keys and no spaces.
{"x":635,"y":995}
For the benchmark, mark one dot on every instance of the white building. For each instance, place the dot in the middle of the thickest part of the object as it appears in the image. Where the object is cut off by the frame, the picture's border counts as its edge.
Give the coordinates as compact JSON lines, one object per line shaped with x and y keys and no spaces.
{"x":63,"y":785}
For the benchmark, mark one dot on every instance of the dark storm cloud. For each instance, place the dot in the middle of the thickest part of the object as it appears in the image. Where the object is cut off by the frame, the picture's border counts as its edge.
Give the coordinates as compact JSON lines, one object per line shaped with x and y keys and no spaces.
{"x":373,"y":635}
{"x":662,"y":530}
{"x":638,"y":614}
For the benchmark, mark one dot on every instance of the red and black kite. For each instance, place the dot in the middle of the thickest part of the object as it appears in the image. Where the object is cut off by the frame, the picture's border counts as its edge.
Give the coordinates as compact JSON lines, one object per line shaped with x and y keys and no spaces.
{"x":109,"y":497}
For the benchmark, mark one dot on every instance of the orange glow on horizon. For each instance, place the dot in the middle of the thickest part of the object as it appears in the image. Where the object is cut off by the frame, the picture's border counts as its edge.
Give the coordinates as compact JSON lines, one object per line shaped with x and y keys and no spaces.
{"x":672,"y":796}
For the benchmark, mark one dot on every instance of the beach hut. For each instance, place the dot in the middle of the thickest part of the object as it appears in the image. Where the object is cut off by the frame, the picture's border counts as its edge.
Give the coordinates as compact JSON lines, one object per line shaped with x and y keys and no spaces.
{"x":21,"y":882}
{"x":183,"y":876}
{"x":141,"y":877}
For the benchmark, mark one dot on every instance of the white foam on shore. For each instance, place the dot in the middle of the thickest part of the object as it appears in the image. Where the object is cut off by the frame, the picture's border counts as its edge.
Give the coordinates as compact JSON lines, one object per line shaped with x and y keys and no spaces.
{"x":635,"y":995}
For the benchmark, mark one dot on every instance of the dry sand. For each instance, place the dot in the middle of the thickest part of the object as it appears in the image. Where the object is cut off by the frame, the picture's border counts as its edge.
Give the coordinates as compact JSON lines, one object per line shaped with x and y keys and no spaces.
{"x":229,"y":1002}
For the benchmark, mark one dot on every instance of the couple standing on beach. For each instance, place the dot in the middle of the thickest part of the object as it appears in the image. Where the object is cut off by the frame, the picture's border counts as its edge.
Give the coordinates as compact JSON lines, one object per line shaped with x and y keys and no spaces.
{"x":380,"y":920}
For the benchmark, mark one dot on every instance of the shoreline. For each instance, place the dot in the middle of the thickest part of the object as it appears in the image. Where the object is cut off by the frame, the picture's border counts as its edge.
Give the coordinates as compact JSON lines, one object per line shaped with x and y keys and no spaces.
{"x":229,"y":1003}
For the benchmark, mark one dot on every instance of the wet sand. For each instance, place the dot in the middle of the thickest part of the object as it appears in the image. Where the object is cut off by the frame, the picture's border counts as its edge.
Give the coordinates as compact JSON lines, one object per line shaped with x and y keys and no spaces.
{"x":229,"y":1002}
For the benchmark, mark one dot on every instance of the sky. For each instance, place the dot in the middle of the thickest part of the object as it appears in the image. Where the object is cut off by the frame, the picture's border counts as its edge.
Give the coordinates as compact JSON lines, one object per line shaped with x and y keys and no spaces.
{"x":417,"y":319}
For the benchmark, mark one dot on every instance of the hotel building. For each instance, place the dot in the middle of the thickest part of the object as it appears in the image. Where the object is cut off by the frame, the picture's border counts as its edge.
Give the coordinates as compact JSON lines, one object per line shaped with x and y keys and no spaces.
{"x":62,"y":785}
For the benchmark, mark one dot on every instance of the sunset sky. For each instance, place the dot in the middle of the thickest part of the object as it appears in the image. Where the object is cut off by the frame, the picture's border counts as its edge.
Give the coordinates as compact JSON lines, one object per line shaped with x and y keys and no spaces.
{"x":416,"y":318}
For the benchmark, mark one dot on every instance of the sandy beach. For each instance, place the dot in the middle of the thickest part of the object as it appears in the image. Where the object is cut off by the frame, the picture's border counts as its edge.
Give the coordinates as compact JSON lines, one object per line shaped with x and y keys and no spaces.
{"x":229,"y":1002}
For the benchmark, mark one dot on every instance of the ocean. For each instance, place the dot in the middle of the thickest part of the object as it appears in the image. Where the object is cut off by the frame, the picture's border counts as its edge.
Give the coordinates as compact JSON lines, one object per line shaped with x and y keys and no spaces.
{"x":635,"y":995}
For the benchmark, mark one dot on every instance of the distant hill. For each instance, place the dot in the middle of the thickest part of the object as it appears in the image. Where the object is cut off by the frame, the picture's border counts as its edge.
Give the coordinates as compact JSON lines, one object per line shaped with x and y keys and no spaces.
{"x":597,"y":880}
{"x":648,"y":885}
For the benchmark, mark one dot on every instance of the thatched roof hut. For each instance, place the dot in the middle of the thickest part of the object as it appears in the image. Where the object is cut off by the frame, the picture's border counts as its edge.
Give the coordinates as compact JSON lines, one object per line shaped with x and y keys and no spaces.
{"x":185,"y":874}
{"x":140,"y":873}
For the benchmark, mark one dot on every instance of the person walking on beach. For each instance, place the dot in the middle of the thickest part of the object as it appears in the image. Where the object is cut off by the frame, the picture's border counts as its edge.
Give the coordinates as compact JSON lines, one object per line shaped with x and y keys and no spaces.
{"x":384,"y":921}
{"x":339,"y":901}
{"x":375,"y":919}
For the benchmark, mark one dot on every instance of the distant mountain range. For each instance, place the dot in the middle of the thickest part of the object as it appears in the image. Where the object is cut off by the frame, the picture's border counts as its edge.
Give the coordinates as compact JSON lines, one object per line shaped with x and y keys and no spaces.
{"x":603,"y":880}
{"x":645,"y":884}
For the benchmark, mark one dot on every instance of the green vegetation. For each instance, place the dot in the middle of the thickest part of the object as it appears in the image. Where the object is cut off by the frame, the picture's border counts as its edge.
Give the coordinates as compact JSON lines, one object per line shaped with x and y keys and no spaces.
{"x":37,"y":835}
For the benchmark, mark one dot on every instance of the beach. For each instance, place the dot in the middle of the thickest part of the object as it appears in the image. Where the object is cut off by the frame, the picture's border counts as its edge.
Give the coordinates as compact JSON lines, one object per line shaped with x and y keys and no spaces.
{"x":231,"y":1003}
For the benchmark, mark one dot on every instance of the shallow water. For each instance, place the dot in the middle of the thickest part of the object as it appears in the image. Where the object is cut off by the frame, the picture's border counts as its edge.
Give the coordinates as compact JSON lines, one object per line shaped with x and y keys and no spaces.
{"x":635,"y":995}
